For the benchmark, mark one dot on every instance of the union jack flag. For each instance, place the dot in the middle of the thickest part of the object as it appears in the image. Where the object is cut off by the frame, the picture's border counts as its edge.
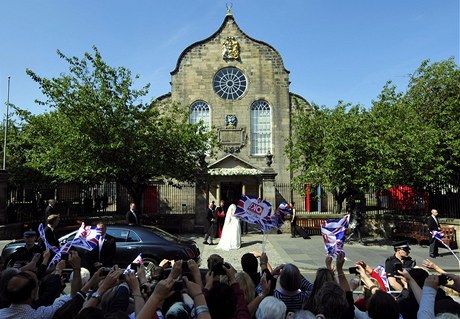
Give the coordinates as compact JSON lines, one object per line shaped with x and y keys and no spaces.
{"x":57,"y":257}
{"x":252,"y":209}
{"x":380,"y":270}
{"x":87,"y":237}
{"x":438,"y":234}
{"x":276,"y":220}
{"x":333,"y":231}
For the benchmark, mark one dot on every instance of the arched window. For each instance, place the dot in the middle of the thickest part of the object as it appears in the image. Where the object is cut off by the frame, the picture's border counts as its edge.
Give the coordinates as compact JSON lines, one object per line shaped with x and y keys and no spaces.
{"x":261,"y":130}
{"x":200,"y":112}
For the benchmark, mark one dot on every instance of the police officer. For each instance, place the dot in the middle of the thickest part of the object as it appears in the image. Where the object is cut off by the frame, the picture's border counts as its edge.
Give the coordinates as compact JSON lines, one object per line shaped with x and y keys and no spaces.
{"x":24,"y":255}
{"x":399,"y":261}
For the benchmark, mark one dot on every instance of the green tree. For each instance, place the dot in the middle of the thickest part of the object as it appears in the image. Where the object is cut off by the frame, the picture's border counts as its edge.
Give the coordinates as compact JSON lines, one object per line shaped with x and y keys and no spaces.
{"x":327,"y":148}
{"x":400,"y":146}
{"x":98,"y":129}
{"x":434,"y":94}
{"x":18,"y":172}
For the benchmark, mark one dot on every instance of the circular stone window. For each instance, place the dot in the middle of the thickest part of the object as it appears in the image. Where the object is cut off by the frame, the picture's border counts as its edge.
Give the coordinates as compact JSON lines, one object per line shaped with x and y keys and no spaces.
{"x":229,"y":83}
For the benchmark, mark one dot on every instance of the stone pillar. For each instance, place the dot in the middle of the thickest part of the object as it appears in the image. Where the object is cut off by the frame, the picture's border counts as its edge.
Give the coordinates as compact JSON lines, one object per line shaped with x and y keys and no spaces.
{"x":218,"y":194}
{"x":268,"y":185}
{"x":3,"y":197}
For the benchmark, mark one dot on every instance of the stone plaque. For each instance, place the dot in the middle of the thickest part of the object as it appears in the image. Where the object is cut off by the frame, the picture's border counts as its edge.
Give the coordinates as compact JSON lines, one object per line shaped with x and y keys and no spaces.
{"x":232,"y":139}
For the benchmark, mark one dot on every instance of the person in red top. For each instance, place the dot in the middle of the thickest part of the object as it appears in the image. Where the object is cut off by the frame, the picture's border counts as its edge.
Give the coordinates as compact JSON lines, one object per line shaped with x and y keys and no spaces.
{"x":220,"y":212}
{"x":361,"y":303}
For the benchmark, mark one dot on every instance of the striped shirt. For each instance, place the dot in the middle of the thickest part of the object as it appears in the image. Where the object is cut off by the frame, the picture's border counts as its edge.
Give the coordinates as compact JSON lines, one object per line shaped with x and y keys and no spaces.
{"x":294,"y":300}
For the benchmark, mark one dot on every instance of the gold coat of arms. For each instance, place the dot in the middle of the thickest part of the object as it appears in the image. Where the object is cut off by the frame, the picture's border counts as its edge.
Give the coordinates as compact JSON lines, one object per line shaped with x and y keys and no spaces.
{"x":230,"y":49}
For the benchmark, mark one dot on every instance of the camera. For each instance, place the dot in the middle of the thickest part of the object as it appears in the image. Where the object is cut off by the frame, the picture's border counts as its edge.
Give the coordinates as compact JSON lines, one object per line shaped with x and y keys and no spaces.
{"x":218,"y":269}
{"x":442,"y":280}
{"x":134,"y":266}
{"x":398,"y":267}
{"x":65,"y":257}
{"x":353,"y":270}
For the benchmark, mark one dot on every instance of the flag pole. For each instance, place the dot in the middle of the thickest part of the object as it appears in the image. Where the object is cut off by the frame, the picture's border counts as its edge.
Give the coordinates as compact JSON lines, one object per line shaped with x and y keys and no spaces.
{"x":6,"y":124}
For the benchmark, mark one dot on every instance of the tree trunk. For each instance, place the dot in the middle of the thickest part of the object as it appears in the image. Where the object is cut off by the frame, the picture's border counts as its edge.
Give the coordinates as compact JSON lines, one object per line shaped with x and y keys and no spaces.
{"x":339,"y":198}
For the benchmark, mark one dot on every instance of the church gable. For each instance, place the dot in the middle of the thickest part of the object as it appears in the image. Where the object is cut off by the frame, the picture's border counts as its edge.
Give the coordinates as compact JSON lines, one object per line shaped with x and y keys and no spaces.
{"x":229,"y":31}
{"x":232,"y":165}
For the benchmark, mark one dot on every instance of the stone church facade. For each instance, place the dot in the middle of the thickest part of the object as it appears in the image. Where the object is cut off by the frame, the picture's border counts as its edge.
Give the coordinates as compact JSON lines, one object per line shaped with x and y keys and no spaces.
{"x":239,"y":87}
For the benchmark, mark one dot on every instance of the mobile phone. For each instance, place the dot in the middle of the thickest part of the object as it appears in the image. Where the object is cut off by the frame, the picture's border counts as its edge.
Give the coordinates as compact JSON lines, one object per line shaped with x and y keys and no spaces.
{"x":20,"y":263}
{"x":353,"y":270}
{"x":134,"y":266}
{"x":65,"y":257}
{"x":178,"y":285}
{"x":184,"y":265}
{"x":106,"y":271}
{"x":442,"y":280}
{"x":398,"y":267}
{"x":218,"y":269}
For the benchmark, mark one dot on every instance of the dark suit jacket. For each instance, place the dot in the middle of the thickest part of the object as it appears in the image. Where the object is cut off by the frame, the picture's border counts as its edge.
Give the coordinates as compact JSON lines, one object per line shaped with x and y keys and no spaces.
{"x":107,"y":253}
{"x":50,"y":210}
{"x":211,"y":215}
{"x":51,"y":237}
{"x":432,"y":225}
{"x":132,"y":218}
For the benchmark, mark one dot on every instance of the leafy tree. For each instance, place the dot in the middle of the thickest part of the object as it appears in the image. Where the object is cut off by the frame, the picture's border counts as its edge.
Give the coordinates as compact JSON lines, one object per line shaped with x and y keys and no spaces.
{"x":434,"y":94}
{"x":327,"y":148}
{"x":410,"y":138}
{"x":18,"y":172}
{"x":99,"y":129}
{"x":400,"y":146}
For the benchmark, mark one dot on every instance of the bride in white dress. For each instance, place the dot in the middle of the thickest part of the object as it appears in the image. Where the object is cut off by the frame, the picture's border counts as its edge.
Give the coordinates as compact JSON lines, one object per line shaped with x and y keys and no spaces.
{"x":231,"y":232}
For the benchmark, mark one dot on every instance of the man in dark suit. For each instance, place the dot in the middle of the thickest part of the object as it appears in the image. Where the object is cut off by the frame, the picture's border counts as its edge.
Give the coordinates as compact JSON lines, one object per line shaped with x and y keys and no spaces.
{"x":132,"y":216}
{"x":51,"y":208}
{"x":212,"y":218}
{"x":52,"y":221}
{"x":433,"y":225}
{"x":103,"y":254}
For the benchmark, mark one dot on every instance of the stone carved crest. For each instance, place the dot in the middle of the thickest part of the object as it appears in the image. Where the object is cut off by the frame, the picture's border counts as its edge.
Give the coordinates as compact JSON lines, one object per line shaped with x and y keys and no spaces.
{"x":230,"y":49}
{"x":231,"y":121}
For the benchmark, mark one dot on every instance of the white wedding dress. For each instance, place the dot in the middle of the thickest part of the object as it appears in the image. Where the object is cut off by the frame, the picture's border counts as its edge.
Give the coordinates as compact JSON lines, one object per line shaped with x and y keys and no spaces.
{"x":231,"y":232}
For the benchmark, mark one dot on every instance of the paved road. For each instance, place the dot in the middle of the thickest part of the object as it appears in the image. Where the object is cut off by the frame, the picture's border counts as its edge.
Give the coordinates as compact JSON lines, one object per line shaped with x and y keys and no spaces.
{"x":308,"y":254}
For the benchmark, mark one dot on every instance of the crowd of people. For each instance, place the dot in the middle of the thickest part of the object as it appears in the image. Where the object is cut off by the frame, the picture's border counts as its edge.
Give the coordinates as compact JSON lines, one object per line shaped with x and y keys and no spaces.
{"x":90,"y":286}
{"x":253,"y":289}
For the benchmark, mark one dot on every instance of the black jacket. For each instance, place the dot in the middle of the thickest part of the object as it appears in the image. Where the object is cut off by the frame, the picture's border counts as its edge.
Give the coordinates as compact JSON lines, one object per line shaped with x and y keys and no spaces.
{"x":107,"y":252}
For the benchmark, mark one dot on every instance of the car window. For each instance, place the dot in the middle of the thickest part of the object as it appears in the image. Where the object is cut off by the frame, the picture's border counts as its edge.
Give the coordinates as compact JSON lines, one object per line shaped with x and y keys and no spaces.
{"x":161,"y":233}
{"x":123,"y":235}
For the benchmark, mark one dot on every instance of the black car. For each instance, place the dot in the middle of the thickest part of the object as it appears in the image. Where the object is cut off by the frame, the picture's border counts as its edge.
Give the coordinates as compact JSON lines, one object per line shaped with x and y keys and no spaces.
{"x":154,"y":244}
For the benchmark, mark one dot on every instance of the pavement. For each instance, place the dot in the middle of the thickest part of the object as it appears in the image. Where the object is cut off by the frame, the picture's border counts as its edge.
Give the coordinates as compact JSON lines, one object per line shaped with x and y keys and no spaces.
{"x":309,"y":255}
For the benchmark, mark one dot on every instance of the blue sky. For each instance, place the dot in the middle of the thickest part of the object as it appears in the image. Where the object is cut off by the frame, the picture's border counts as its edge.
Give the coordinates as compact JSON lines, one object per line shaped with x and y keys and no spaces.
{"x":335,"y":49}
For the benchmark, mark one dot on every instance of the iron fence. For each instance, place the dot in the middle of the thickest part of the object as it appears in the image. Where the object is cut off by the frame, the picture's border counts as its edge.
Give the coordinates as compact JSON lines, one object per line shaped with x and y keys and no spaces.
{"x":110,"y":199}
{"x":401,"y":200}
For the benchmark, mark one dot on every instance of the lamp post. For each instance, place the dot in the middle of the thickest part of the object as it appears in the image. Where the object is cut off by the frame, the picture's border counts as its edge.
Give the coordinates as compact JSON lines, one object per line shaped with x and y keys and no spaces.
{"x":6,"y":124}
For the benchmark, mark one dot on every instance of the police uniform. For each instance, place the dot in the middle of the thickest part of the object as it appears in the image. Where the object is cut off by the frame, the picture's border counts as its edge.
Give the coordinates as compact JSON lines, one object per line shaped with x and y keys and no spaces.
{"x":24,"y":254}
{"x":392,"y":261}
